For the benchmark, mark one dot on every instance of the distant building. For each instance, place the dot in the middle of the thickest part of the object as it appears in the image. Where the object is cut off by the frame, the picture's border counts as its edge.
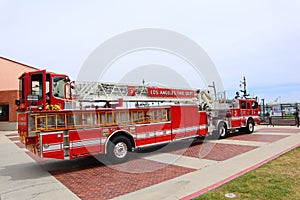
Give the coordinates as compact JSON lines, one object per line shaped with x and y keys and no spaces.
{"x":9,"y":91}
{"x":282,"y":108}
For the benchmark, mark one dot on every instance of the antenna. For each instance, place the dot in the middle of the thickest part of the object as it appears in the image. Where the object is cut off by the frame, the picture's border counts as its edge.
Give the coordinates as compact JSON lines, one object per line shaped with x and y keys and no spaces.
{"x":244,"y":91}
{"x":214,"y":87}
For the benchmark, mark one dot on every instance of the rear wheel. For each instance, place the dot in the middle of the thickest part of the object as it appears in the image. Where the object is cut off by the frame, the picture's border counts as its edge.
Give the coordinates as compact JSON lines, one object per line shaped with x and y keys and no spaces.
{"x":222,"y":130}
{"x":250,"y":127}
{"x":118,"y":149}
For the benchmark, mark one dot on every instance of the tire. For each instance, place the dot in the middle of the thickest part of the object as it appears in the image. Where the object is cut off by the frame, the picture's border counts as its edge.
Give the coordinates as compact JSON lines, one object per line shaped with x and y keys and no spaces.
{"x":222,"y":130}
{"x":118,"y":149}
{"x":250,"y":127}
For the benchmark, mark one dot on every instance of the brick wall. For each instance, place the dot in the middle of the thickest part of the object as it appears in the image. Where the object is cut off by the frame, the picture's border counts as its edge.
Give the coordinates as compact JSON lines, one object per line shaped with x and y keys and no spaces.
{"x":9,"y":97}
{"x":9,"y":86}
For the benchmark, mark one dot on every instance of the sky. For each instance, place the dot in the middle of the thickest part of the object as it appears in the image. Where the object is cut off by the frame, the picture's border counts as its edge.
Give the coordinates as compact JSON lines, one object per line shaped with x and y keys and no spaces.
{"x":259,"y":39}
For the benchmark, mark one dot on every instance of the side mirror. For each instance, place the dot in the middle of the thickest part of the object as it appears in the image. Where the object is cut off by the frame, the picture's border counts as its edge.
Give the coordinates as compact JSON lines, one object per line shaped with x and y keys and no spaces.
{"x":17,"y":102}
{"x":67,"y":79}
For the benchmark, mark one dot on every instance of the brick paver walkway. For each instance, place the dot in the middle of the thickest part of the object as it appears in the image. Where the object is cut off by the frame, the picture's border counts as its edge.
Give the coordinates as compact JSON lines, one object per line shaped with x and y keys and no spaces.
{"x":90,"y":179}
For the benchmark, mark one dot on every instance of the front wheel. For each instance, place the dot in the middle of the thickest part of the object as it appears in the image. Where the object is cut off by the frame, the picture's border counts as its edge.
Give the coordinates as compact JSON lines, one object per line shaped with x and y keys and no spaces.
{"x":222,"y":130}
{"x":118,"y":149}
{"x":250,"y":127}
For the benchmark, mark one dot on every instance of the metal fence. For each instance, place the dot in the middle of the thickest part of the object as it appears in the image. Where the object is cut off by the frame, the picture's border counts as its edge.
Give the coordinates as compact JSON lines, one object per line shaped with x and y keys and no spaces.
{"x":282,"y":121}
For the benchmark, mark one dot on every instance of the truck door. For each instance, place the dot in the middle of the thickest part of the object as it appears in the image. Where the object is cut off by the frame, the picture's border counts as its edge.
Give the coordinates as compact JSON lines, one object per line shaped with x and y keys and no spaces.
{"x":235,"y":117}
{"x":58,"y":89}
{"x":35,"y":94}
{"x":244,"y":106}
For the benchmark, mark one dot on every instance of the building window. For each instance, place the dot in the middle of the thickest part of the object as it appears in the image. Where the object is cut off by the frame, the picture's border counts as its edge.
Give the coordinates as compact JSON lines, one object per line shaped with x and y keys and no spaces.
{"x":4,"y":112}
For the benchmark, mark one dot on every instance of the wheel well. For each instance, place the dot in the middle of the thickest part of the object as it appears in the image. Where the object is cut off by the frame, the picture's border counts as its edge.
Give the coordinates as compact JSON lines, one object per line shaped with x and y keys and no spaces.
{"x":222,"y":122}
{"x":117,"y":134}
{"x":251,"y":119}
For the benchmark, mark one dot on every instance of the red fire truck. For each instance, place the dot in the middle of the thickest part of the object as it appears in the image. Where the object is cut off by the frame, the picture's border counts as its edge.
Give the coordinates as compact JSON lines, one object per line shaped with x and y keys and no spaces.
{"x":60,"y":119}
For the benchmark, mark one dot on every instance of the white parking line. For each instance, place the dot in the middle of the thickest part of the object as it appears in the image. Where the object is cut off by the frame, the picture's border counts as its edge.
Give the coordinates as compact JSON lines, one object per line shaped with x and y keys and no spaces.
{"x":272,"y":133}
{"x":13,"y":136}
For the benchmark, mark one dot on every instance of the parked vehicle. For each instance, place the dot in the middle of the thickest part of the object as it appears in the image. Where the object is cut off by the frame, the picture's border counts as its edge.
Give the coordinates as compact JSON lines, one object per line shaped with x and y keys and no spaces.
{"x":58,"y":118}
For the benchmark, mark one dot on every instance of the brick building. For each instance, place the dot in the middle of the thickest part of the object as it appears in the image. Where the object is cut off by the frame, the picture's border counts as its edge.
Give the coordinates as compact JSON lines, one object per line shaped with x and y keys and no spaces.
{"x":9,"y":91}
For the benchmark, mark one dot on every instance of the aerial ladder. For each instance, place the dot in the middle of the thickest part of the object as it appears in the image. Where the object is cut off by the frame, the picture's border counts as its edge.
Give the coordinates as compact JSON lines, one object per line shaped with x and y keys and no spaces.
{"x":93,"y":92}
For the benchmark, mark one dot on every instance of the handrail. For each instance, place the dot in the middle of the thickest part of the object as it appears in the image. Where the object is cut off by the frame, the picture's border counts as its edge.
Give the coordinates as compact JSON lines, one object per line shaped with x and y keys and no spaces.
{"x":58,"y":121}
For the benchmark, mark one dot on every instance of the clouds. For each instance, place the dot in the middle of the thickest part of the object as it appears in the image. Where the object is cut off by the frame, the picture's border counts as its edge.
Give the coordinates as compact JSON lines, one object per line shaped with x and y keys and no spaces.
{"x":259,"y":39}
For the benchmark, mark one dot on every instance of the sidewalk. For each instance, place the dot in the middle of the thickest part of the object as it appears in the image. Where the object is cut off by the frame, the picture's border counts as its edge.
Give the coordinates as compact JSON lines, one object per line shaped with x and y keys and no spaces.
{"x":21,"y":177}
{"x":214,"y":174}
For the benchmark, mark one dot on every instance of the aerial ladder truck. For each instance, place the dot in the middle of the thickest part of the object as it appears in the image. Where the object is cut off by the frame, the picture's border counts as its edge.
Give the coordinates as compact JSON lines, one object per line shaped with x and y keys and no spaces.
{"x":62,"y":119}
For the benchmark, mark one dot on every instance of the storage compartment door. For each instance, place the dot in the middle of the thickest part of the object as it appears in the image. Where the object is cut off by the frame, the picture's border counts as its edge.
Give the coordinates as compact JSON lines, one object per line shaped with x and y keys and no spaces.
{"x":52,"y":145}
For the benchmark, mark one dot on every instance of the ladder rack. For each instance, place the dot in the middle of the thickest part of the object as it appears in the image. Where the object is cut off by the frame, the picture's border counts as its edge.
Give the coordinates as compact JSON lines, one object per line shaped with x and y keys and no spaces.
{"x":99,"y":92}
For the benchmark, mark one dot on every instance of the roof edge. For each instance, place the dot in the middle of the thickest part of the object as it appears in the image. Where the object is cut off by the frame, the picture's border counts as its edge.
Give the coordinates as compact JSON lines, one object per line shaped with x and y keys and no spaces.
{"x":1,"y":57}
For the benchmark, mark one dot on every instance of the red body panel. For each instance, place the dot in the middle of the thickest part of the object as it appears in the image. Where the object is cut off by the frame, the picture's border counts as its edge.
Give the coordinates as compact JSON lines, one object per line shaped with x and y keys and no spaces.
{"x":85,"y":142}
{"x":23,"y":122}
{"x":52,"y":145}
{"x":84,"y":134}
{"x":163,"y":132}
{"x":23,"y":126}
{"x":235,"y":120}
{"x":145,"y":134}
{"x":202,"y":131}
{"x":177,"y":118}
{"x":153,"y":133}
{"x":187,"y":122}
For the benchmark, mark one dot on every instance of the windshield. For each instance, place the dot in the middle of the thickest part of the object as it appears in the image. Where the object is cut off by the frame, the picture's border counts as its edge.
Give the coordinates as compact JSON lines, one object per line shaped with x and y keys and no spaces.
{"x":58,"y":86}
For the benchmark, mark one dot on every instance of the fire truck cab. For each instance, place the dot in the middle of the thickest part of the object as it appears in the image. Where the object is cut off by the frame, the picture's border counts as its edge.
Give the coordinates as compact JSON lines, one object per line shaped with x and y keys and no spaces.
{"x":44,"y":91}
{"x":240,"y":114}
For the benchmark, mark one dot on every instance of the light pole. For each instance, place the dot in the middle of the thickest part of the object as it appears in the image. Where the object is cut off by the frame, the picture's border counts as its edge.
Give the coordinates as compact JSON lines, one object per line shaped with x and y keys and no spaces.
{"x":263,"y":107}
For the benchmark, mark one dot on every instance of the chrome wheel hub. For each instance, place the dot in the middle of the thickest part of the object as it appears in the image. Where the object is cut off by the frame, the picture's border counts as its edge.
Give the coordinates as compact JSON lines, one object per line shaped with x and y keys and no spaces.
{"x":251,"y":127}
{"x":222,"y":131}
{"x":120,"y":150}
